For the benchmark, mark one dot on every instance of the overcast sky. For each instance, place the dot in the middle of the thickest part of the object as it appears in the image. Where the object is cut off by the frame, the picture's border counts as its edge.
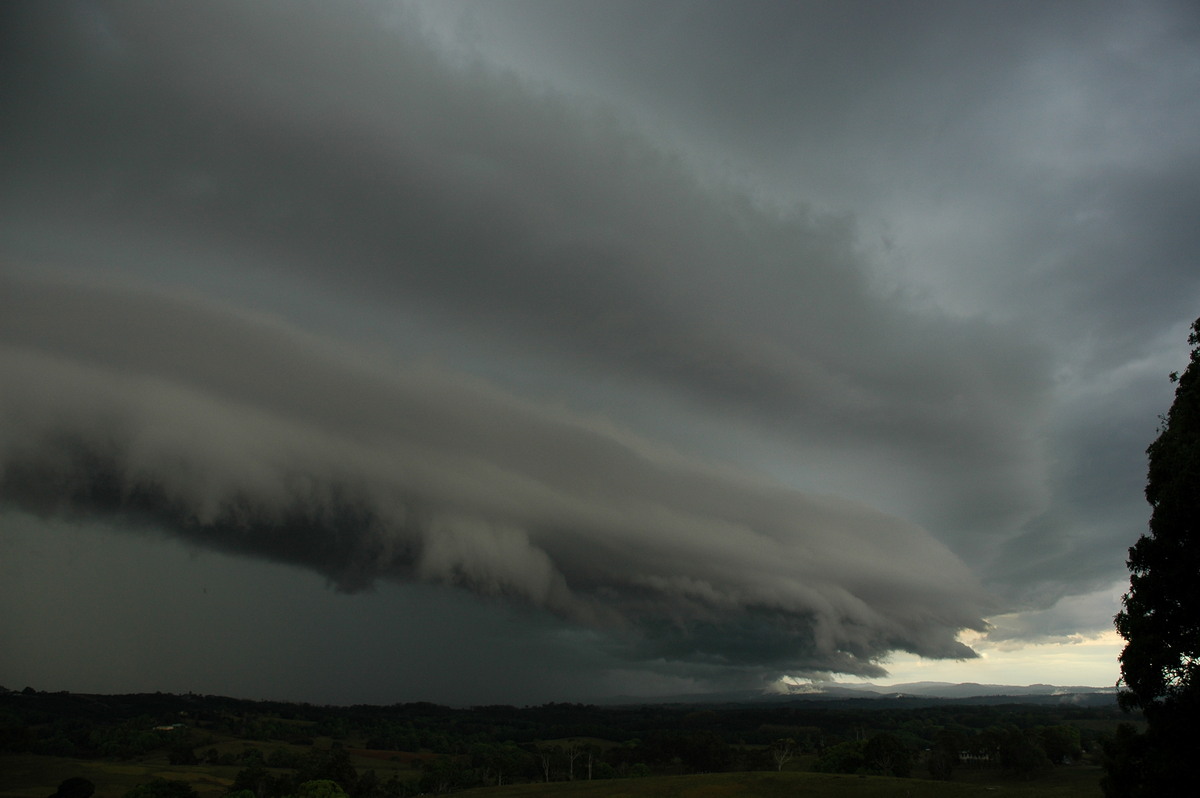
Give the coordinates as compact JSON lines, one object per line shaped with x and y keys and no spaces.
{"x":521,"y":351}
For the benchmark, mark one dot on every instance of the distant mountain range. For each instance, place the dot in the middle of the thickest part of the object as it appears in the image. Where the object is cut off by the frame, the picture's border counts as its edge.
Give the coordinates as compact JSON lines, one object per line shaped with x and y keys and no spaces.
{"x":911,"y":693}
{"x":935,"y":690}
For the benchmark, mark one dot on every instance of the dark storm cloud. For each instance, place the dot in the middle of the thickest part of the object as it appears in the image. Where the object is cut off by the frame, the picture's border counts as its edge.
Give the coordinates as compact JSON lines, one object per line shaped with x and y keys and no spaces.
{"x":433,"y":292}
{"x":353,"y":154}
{"x":1034,"y":164}
{"x":248,"y":436}
{"x":1037,"y":156}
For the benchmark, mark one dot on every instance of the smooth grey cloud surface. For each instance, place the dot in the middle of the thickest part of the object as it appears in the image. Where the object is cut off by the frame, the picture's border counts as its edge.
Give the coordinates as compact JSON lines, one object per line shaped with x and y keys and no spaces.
{"x":731,"y":340}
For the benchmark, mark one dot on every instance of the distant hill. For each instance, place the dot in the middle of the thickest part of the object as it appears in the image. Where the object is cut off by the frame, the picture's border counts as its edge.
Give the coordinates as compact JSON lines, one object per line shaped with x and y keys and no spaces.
{"x":913,"y":692}
{"x":946,"y":689}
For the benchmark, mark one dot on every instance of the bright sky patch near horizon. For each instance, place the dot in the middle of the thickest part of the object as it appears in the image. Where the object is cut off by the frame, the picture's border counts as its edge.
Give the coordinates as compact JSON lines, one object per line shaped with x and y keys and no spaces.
{"x":527,"y":351}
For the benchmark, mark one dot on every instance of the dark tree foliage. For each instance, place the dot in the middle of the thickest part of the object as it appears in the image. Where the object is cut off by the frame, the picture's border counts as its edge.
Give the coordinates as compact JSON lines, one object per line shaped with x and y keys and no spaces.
{"x":331,"y":764}
{"x":1021,"y":753}
{"x":844,"y":757}
{"x":946,"y":753}
{"x":888,"y":755}
{"x":1061,"y":743}
{"x":499,"y":745}
{"x":1124,"y":763}
{"x":1161,"y":616}
{"x":75,"y":787}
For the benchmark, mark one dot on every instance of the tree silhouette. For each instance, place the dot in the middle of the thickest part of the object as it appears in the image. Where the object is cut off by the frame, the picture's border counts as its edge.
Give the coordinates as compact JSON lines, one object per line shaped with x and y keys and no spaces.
{"x":76,"y":787}
{"x":1161,"y":616}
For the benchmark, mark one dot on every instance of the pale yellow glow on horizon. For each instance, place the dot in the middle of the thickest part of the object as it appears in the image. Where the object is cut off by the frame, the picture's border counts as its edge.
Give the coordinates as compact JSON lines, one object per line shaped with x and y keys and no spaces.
{"x":1077,"y":661}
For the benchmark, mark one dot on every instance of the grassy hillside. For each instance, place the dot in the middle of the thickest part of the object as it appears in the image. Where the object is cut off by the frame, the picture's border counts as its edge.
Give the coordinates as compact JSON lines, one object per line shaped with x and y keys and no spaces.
{"x":35,"y":776}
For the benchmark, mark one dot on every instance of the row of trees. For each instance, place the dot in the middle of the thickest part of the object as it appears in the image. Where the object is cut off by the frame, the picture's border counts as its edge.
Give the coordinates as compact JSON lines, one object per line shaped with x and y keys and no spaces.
{"x":82,"y":737}
{"x":174,"y":788}
{"x":93,"y":726}
{"x":493,"y":764}
{"x":1018,"y":752}
{"x":467,"y":747}
{"x":329,"y":773}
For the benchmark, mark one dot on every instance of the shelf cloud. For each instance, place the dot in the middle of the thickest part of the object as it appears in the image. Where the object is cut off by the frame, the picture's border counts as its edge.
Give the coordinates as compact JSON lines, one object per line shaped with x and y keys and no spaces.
{"x":715,"y":343}
{"x":245,"y":435}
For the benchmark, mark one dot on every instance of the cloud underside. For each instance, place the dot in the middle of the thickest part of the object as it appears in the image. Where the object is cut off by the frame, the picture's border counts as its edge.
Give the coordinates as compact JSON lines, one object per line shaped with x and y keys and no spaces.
{"x":248,"y":436}
{"x":354,"y":161}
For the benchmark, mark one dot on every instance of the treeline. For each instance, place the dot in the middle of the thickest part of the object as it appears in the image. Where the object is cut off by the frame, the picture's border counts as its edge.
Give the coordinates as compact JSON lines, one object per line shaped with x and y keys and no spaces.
{"x":488,"y":745}
{"x":1020,"y":752}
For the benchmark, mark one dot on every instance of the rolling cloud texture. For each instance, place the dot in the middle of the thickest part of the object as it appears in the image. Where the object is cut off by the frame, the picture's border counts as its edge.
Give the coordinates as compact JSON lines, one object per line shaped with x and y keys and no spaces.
{"x":339,"y":286}
{"x":280,"y":447}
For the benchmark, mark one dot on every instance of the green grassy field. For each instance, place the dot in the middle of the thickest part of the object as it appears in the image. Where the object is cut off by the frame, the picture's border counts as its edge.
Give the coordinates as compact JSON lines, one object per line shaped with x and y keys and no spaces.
{"x":32,"y":776}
